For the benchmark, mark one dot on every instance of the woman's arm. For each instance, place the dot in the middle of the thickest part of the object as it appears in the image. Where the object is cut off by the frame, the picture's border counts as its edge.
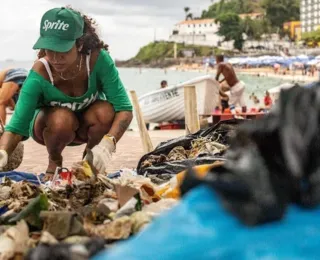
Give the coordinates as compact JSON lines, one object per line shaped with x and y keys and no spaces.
{"x":18,"y":127}
{"x":116,"y":95}
{"x":120,"y":124}
{"x":9,"y":142}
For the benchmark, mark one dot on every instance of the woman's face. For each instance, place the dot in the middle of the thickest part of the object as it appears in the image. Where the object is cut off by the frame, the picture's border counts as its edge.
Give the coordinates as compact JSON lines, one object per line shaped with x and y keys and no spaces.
{"x":61,"y":61}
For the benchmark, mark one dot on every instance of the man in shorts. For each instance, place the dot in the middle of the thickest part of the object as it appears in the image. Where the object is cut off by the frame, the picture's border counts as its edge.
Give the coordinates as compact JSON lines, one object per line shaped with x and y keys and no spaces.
{"x":237,"y":88}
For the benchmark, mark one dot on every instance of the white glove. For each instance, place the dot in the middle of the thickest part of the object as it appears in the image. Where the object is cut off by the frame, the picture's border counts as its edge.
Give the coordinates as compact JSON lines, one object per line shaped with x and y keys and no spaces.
{"x":102,"y":153}
{"x":3,"y":159}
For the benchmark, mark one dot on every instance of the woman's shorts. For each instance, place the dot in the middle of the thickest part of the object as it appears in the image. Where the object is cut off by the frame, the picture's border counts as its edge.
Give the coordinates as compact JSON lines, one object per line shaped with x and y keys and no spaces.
{"x":31,"y":133}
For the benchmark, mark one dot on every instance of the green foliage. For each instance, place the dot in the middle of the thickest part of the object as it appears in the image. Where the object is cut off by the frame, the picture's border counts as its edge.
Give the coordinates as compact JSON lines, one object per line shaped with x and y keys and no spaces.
{"x":254,"y":29}
{"x":155,"y":51}
{"x":234,"y":6}
{"x":162,"y":49}
{"x":312,"y":37}
{"x":231,"y":28}
{"x":276,"y":13}
{"x":281,"y":11}
{"x":188,"y":15}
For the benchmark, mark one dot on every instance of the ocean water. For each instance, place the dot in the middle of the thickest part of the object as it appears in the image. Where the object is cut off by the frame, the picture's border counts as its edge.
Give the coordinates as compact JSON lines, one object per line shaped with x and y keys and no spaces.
{"x":145,"y":80}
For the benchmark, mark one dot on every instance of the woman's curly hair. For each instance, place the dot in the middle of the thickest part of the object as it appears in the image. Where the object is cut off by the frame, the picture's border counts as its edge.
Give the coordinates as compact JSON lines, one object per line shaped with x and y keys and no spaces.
{"x":89,"y":40}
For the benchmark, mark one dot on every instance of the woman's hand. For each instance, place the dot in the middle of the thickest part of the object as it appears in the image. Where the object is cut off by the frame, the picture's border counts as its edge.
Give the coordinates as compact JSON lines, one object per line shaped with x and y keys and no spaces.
{"x":102,"y":154}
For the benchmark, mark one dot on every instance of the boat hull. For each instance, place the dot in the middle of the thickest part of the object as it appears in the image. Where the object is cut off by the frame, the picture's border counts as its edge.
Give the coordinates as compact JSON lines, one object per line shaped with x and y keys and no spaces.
{"x":167,"y":105}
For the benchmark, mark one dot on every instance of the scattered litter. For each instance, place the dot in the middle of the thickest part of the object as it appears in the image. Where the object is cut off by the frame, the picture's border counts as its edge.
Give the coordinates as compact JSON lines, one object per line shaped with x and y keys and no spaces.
{"x":65,"y":215}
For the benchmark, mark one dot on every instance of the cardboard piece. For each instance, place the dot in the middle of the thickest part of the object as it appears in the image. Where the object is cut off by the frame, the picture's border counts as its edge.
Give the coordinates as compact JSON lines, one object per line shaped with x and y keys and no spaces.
{"x":125,"y":193}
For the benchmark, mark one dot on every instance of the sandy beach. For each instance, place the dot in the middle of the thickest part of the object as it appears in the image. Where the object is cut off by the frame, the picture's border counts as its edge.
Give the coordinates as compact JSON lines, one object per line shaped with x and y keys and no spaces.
{"x":129,"y":151}
{"x":261,"y":72}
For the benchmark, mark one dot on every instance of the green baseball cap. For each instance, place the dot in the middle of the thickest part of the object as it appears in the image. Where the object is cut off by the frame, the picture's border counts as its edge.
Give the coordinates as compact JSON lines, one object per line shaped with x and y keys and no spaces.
{"x":59,"y":30}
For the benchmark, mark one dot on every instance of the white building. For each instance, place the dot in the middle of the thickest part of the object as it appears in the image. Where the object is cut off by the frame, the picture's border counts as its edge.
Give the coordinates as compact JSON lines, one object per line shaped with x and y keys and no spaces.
{"x":310,"y":15}
{"x":199,"y":32}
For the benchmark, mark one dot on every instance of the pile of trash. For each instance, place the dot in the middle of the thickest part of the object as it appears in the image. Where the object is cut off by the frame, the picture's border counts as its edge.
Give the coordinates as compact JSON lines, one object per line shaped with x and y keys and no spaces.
{"x":204,"y":147}
{"x":77,"y":214}
{"x":80,"y":212}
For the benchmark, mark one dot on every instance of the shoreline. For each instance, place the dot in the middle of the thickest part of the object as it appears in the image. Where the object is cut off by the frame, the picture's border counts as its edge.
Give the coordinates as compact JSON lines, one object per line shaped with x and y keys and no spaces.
{"x":258,"y":72}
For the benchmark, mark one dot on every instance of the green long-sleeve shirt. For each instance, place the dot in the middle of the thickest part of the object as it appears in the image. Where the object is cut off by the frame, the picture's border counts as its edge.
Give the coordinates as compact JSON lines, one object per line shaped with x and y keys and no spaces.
{"x":104,"y":83}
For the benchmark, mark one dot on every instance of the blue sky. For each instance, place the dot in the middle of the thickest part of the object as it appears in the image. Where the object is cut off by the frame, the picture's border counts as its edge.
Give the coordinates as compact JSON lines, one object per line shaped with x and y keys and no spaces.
{"x":125,"y":25}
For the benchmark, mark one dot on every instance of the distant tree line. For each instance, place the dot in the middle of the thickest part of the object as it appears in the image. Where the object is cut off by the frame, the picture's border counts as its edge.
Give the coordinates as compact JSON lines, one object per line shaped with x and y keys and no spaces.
{"x":232,"y":27}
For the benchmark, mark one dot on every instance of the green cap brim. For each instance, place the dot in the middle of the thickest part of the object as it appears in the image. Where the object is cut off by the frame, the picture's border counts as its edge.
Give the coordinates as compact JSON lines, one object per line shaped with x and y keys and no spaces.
{"x":54,"y":44}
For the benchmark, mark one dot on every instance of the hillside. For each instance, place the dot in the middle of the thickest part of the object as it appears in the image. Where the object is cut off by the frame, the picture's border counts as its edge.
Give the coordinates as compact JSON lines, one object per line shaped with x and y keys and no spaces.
{"x":235,"y":6}
{"x":161,"y":54}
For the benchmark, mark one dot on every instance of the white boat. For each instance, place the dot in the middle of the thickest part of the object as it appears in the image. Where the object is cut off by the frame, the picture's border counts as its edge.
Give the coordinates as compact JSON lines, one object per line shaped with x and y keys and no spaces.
{"x":167,"y":105}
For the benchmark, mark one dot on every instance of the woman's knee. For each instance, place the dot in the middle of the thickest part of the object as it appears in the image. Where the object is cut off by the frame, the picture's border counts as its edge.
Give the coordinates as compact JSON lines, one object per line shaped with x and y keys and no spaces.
{"x":101,"y":112}
{"x":56,"y":120}
{"x":61,"y":120}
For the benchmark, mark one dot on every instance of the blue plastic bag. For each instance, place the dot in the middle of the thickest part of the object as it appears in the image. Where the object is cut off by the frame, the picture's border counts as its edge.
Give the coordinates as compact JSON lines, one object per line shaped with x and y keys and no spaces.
{"x":20,"y":176}
{"x":199,"y":228}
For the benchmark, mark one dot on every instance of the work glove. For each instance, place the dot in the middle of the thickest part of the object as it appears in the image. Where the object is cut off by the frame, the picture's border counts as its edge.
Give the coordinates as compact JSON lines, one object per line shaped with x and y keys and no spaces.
{"x":102,"y":153}
{"x":3,"y":159}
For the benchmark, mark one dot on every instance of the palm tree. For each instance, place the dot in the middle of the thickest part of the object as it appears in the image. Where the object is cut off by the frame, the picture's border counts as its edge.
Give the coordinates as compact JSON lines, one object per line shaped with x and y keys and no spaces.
{"x":186,"y":10}
{"x":189,"y":16}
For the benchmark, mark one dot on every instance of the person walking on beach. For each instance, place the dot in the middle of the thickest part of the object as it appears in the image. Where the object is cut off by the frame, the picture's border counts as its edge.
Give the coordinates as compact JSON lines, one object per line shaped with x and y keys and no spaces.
{"x":11,"y":81}
{"x":237,"y":87}
{"x":72,"y":95}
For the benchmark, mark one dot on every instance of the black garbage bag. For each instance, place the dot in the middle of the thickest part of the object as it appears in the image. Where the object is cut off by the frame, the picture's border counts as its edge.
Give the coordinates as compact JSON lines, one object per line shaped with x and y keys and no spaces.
{"x":64,"y":251}
{"x":245,"y":187}
{"x":289,"y":142}
{"x":223,"y":132}
{"x":271,"y":162}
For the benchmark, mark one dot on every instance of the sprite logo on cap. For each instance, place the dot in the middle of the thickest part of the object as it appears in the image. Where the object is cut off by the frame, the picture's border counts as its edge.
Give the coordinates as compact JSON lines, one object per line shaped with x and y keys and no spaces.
{"x":55,"y":25}
{"x":59,"y":30}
